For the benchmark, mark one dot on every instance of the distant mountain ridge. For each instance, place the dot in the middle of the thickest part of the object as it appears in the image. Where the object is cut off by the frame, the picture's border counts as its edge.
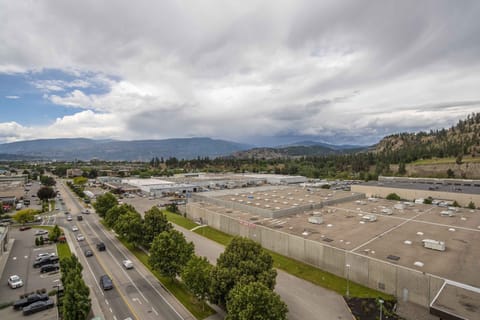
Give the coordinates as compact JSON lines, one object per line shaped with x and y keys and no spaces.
{"x":114,"y":150}
{"x":310,"y":143}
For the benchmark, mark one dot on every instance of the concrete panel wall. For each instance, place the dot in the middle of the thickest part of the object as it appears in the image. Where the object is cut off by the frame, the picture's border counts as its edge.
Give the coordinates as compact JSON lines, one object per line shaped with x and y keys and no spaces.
{"x":376,"y":274}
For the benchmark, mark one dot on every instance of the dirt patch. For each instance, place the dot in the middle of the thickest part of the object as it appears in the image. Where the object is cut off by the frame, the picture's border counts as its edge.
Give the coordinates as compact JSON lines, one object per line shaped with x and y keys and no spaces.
{"x":369,"y":309}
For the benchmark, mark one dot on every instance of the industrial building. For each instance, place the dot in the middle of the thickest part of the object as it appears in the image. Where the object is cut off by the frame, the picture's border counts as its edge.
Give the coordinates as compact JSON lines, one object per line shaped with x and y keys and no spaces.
{"x":406,"y":249}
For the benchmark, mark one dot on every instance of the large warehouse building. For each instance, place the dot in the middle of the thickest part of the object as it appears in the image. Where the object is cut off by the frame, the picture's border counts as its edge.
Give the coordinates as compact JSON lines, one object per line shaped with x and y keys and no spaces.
{"x":416,"y":252}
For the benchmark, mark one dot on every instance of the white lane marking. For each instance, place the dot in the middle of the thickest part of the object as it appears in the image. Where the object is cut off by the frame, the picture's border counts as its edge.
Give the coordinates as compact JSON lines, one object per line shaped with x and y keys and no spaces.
{"x":154,"y":311}
{"x":110,"y":310}
{"x":114,"y":318}
{"x":137,"y":300}
{"x":14,"y":258}
{"x":106,"y":301}
{"x":26,"y":257}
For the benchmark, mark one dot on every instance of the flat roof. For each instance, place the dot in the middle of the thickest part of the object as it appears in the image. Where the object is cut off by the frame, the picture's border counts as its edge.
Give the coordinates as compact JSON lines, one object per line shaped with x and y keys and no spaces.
{"x":439,"y":186}
{"x":456,"y":302}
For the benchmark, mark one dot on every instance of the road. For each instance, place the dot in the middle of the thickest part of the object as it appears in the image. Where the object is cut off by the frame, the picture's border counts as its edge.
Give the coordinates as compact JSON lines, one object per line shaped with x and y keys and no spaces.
{"x":137,"y":293}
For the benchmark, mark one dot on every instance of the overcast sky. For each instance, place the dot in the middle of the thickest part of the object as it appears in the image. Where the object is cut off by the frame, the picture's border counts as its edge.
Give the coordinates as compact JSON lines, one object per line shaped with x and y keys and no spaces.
{"x":261,"y":72}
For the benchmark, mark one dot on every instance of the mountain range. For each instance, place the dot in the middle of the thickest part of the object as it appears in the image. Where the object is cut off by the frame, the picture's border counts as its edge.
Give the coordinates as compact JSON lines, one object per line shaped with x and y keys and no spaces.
{"x":145,"y":150}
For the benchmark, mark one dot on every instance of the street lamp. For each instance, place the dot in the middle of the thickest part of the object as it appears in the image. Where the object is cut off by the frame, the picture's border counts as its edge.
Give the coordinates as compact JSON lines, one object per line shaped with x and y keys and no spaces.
{"x":348,"y":280}
{"x":381,"y":307}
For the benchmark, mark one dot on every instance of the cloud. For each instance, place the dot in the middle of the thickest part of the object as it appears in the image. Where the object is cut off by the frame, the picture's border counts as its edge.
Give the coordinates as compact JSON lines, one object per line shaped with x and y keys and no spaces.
{"x":343,"y":70}
{"x":12,"y":97}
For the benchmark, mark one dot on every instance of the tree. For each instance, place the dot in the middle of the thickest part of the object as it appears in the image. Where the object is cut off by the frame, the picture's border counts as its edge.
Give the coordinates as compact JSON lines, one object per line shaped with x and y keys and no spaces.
{"x":450,"y":173}
{"x":172,"y":207}
{"x":80,"y":181}
{"x":455,"y":204}
{"x":458,"y":159}
{"x":401,"y":168}
{"x":170,"y":252}
{"x":129,"y":226}
{"x":24,"y":216}
{"x":114,"y":213}
{"x":428,"y":200}
{"x":54,"y":233}
{"x":47,"y":181}
{"x":196,"y":276}
{"x":45,"y":193}
{"x":243,"y":261}
{"x":393,"y":196}
{"x":255,"y":301}
{"x":76,"y":303}
{"x":104,"y":203}
{"x":155,"y":222}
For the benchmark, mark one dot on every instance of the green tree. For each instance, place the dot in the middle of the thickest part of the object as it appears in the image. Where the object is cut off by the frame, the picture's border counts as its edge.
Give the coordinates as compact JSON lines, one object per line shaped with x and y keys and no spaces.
{"x":129,"y":226}
{"x":114,"y":213}
{"x":428,"y":200}
{"x":170,"y":252}
{"x":393,"y":196}
{"x":458,"y":159}
{"x":450,"y":173}
{"x":104,"y":203}
{"x":471,"y":205}
{"x":455,"y":204}
{"x":401,"y":168}
{"x":76,"y":302}
{"x":155,"y":222}
{"x":80,"y":181}
{"x":47,"y":181}
{"x":24,"y":216}
{"x":45,"y":193}
{"x":54,"y":233}
{"x":172,"y":207}
{"x":255,"y":301}
{"x":196,"y":276}
{"x":243,"y":261}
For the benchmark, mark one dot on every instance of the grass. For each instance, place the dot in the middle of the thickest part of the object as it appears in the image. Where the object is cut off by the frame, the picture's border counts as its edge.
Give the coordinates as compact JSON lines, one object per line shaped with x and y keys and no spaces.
{"x":200,"y":310}
{"x":63,"y":250}
{"x":291,"y":266}
{"x":450,"y":160}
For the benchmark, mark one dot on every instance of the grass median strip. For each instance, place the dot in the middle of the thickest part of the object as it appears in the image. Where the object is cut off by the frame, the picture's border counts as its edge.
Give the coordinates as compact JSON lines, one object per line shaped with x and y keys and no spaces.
{"x":291,"y":266}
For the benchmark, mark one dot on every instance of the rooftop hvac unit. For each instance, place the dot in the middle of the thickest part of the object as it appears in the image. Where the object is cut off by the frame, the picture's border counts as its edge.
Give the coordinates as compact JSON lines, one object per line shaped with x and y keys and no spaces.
{"x":369,"y":218}
{"x":315,"y":220}
{"x":434,"y":244}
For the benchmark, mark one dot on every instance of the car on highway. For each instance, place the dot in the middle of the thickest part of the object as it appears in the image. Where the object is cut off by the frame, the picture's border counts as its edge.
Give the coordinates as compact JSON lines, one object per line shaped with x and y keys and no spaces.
{"x":127,"y":264}
{"x":69,"y":218}
{"x":38,"y":306}
{"x":15,"y":282}
{"x":19,"y":304}
{"x":101,"y":246}
{"x":105,"y":282}
{"x":74,"y":228}
{"x":80,"y":237}
{"x":49,"y":268}
{"x":86,"y":211}
{"x":79,"y":218}
{"x":41,"y":232}
{"x":66,"y":212}
{"x":88,"y":253}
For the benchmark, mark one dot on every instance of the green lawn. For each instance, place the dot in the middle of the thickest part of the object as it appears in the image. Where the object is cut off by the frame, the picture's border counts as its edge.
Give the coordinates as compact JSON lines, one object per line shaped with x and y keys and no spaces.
{"x":450,"y":160}
{"x":294,"y":267}
{"x":198,"y":309}
{"x":63,"y":250}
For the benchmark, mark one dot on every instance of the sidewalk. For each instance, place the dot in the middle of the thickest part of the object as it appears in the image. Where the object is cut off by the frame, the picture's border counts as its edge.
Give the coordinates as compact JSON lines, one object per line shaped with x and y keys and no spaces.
{"x":5,"y":256}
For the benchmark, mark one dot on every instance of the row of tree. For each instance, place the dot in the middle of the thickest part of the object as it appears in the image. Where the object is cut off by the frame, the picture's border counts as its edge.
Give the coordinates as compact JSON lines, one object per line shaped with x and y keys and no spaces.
{"x":242,"y":281}
{"x":75,"y":304}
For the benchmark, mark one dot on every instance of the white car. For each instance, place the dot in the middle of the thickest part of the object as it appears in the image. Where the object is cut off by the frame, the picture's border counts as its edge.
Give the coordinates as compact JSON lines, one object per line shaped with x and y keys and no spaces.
{"x":41,"y":232}
{"x":127,"y":264}
{"x":74,"y":228}
{"x":43,"y":255}
{"x":69,"y":218}
{"x":15,"y":282}
{"x":80,"y":237}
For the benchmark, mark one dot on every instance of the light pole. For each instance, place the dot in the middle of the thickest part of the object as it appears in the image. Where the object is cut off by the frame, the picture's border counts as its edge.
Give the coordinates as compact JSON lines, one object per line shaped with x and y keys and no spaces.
{"x":381,"y":307}
{"x":348,"y":280}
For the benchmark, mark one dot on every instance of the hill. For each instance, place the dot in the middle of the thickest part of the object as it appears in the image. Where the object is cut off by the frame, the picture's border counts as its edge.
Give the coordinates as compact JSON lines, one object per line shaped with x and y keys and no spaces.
{"x":139,"y":150}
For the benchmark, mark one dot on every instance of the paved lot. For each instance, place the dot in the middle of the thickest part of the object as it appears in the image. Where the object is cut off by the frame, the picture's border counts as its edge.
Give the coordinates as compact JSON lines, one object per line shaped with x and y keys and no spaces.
{"x":20,"y":262}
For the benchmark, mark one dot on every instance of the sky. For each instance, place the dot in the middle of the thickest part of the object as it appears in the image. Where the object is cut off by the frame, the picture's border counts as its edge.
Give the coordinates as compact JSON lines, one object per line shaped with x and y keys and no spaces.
{"x":251,"y":71}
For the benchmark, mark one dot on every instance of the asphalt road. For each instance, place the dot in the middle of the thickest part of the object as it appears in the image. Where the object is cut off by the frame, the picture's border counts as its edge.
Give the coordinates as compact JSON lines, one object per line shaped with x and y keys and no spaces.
{"x":137,"y":293}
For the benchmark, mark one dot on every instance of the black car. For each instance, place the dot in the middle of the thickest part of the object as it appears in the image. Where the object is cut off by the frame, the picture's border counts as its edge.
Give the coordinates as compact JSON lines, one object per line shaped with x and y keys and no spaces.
{"x":45,"y":260}
{"x":19,"y":304}
{"x":88,"y":253}
{"x":106,"y":283}
{"x":49,"y":268}
{"x":101,"y":246}
{"x":79,"y":218}
{"x":38,"y":306}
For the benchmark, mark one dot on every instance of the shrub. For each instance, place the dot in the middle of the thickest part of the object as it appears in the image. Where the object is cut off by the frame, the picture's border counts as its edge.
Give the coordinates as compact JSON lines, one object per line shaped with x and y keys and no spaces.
{"x":471,"y":205}
{"x":393,"y":196}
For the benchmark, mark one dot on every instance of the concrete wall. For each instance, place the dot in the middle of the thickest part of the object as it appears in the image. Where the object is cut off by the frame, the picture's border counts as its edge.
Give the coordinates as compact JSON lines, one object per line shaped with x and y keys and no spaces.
{"x":414,"y":286}
{"x":463,"y":199}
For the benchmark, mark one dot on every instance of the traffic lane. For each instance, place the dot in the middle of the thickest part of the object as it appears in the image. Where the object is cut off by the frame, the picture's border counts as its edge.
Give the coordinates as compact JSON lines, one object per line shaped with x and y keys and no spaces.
{"x":110,"y":301}
{"x":142,"y":293}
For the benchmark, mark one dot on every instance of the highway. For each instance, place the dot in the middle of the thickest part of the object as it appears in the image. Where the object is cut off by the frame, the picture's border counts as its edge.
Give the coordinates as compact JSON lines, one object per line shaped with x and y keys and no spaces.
{"x":137,"y":293}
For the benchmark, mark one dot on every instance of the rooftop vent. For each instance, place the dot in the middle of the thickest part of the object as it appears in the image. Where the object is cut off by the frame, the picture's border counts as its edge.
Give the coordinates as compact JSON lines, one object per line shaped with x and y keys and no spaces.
{"x":392,"y":257}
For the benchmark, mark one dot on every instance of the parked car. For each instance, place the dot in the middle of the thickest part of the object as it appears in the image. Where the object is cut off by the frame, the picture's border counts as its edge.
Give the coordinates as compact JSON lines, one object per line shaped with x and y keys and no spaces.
{"x":105,"y":282}
{"x":88,"y":253}
{"x":38,"y":306}
{"x":80,"y":237}
{"x":44,"y":261}
{"x":49,"y":268}
{"x":127,"y":264}
{"x":44,"y":254}
{"x":79,"y":218}
{"x":23,"y":228}
{"x":101,"y":246}
{"x":15,"y":282}
{"x":41,"y":232}
{"x":19,"y":304}
{"x":74,"y":228}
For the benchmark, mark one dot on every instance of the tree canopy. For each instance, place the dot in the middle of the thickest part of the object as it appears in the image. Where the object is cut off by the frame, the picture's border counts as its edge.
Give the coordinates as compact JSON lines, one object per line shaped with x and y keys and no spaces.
{"x":104,"y":203}
{"x":24,"y":216}
{"x":45,"y":193}
{"x":155,"y":222}
{"x":196,"y":276}
{"x":129,"y":226}
{"x":115,"y":212}
{"x":170,"y":252}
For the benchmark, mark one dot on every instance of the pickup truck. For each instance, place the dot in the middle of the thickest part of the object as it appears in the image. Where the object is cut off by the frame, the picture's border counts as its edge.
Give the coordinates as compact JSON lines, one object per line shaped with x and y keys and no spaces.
{"x":19,"y":304}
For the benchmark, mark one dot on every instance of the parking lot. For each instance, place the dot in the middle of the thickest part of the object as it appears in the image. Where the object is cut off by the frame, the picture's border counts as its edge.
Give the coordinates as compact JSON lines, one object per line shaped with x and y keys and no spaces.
{"x":20,"y":262}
